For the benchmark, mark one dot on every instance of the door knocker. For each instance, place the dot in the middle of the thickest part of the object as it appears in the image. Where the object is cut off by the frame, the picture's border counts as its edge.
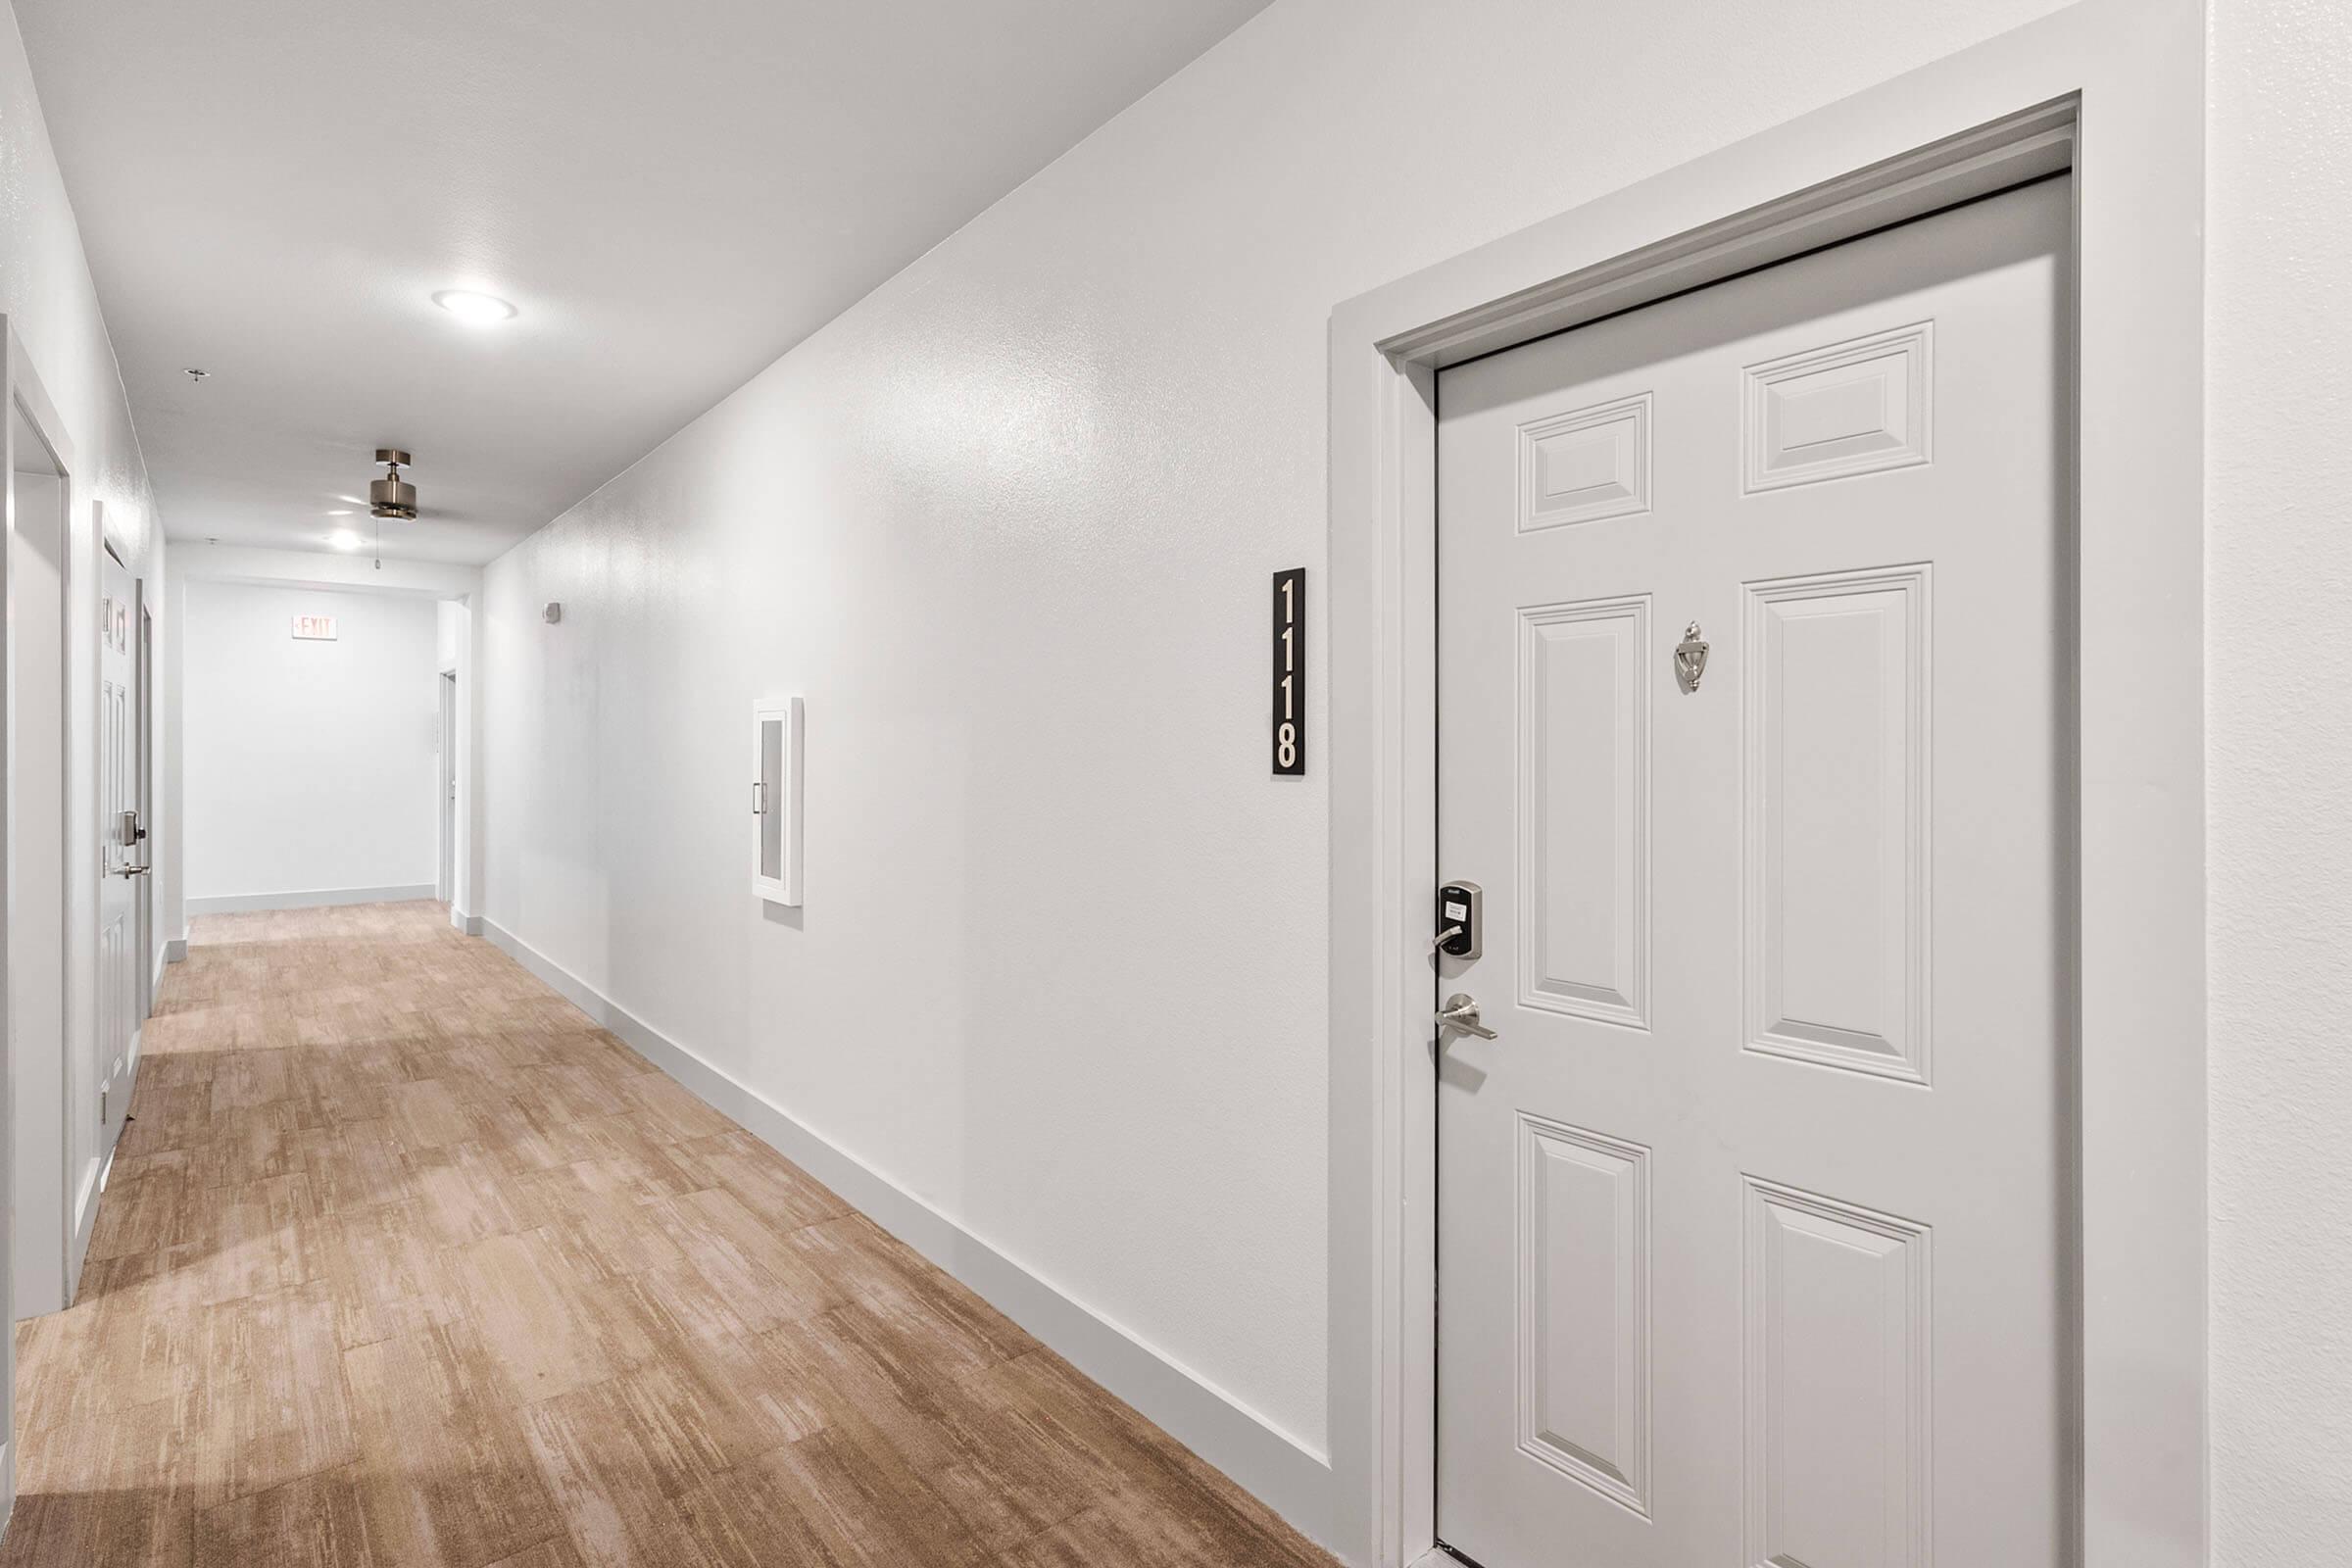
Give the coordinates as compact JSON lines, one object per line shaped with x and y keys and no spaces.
{"x":1689,"y":659}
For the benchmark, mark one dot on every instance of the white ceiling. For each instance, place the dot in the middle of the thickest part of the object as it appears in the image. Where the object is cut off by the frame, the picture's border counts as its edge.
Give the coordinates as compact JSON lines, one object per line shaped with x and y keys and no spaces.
{"x":673,"y":194}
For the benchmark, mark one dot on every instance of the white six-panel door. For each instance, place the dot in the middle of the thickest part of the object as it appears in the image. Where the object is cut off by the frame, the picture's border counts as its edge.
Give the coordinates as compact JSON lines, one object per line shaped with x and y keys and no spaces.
{"x":1754,"y":1218}
{"x":99,"y":1100}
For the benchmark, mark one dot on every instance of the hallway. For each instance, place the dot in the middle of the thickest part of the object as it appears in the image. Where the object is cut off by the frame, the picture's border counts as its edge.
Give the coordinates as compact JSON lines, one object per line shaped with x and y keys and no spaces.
{"x":404,"y":1263}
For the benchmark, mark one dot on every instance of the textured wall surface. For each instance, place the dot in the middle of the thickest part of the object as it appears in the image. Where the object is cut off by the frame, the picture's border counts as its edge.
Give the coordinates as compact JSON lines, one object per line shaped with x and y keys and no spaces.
{"x":311,"y":766}
{"x":46,"y":293}
{"x":2279,"y":717}
{"x":52,"y":309}
{"x":1007,"y":524}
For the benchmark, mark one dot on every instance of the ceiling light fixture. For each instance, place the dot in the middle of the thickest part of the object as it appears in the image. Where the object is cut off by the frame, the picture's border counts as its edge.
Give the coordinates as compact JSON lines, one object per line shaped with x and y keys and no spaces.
{"x":474,"y":310}
{"x":345,"y":539}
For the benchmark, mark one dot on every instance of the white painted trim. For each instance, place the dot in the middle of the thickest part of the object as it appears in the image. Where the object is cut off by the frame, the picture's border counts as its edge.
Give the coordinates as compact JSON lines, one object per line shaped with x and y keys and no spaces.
{"x":2113,"y":89}
{"x":85,"y":1223}
{"x":308,"y":898}
{"x":780,"y":796}
{"x":176,"y":951}
{"x":1277,"y":1468}
{"x":105,"y":1174}
{"x":448,"y":695}
{"x":50,"y":1236}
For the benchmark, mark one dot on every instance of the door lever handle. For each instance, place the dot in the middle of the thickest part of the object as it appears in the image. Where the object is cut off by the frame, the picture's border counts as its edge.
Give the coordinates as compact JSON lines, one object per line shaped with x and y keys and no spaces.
{"x":1461,"y":1012}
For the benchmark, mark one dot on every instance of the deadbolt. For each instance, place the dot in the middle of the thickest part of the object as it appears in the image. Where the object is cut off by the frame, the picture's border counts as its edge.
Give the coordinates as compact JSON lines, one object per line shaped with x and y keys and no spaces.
{"x":1461,"y":920}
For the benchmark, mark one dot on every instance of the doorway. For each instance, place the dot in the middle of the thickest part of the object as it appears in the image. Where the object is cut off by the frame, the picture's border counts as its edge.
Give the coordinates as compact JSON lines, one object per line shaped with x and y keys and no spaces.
{"x":41,"y":1010}
{"x":1754,"y":663}
{"x":2111,"y":94}
{"x":447,"y":884}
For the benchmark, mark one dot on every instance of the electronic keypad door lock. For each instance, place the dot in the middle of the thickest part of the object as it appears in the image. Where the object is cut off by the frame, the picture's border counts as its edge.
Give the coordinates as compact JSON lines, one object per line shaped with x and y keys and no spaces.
{"x":1461,"y":920}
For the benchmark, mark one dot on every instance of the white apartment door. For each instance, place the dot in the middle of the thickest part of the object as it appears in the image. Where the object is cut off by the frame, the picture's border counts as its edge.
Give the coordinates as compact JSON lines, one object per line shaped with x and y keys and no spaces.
{"x":142,"y":732}
{"x":1754,"y":1216}
{"x":122,"y":857}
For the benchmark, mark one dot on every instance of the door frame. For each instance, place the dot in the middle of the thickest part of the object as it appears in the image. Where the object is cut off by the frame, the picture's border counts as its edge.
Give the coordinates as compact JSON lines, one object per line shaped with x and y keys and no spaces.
{"x":52,"y":1236}
{"x":20,"y":387}
{"x":445,"y":817}
{"x":2114,"y":91}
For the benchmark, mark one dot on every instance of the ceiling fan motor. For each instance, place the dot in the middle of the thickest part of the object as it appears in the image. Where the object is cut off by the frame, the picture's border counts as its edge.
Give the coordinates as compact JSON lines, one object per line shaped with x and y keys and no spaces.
{"x":391,"y":496}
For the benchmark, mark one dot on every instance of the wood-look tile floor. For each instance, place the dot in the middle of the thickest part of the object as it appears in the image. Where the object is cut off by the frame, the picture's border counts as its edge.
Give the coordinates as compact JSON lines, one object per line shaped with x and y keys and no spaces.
{"x":404,"y":1263}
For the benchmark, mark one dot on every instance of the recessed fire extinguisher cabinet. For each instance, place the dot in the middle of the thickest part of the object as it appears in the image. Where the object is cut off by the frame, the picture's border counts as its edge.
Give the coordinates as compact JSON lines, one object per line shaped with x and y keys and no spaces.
{"x":776,"y":800}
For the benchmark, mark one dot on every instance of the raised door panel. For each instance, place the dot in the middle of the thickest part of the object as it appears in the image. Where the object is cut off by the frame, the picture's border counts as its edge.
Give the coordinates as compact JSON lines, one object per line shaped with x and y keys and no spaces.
{"x":1837,"y":736}
{"x":1838,"y":1438}
{"x":1584,"y":466}
{"x":1852,"y":408}
{"x":1584,"y":1307}
{"x":1584,"y":810}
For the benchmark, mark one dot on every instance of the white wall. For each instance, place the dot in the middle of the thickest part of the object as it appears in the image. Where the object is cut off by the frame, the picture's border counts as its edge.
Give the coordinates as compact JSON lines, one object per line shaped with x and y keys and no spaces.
{"x":1007,"y":524}
{"x":2278,"y":725}
{"x":309,"y":765}
{"x":449,"y":633}
{"x":52,"y":309}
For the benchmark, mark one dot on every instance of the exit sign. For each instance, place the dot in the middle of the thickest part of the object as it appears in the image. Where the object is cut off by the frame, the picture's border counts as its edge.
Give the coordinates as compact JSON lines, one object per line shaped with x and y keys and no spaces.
{"x":315,"y":628}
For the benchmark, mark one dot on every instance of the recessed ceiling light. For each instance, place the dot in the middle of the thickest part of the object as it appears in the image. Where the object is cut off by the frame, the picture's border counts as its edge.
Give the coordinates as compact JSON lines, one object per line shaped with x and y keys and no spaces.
{"x":345,"y":539}
{"x":474,"y":310}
